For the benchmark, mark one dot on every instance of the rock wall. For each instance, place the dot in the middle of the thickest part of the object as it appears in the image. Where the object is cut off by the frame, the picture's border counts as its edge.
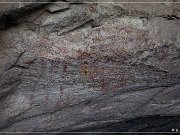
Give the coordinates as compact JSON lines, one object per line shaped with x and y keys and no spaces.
{"x":76,"y":65}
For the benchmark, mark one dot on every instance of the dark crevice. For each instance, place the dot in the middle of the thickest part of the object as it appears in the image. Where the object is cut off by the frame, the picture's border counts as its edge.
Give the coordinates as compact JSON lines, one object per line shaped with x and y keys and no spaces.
{"x":13,"y":17}
{"x":78,"y":27}
{"x":151,"y":123}
{"x":73,"y":2}
{"x":170,"y":17}
{"x":15,"y":63}
{"x":20,"y":66}
{"x":58,"y":11}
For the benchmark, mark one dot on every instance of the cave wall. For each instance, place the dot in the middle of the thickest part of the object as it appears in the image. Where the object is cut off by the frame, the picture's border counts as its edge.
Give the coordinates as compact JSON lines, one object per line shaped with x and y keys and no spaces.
{"x":70,"y":65}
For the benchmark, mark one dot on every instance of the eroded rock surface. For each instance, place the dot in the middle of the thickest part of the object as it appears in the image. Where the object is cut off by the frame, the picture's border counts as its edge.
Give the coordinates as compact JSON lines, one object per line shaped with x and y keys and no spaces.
{"x":73,"y":65}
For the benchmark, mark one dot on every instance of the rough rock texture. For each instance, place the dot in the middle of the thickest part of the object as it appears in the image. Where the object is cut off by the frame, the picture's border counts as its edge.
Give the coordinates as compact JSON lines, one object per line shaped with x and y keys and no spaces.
{"x":77,"y":66}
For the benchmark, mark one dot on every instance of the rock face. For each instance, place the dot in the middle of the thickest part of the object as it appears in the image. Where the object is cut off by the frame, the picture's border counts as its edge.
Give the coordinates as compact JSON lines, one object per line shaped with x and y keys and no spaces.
{"x":87,"y":65}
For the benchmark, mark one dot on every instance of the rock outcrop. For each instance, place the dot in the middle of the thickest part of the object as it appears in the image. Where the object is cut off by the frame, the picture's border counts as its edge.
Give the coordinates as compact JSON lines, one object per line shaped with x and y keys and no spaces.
{"x":89,"y":65}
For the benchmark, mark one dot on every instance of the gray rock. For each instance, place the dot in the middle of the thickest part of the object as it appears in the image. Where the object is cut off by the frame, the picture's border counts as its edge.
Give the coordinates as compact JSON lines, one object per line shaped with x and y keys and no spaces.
{"x":89,"y":66}
{"x":58,"y":7}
